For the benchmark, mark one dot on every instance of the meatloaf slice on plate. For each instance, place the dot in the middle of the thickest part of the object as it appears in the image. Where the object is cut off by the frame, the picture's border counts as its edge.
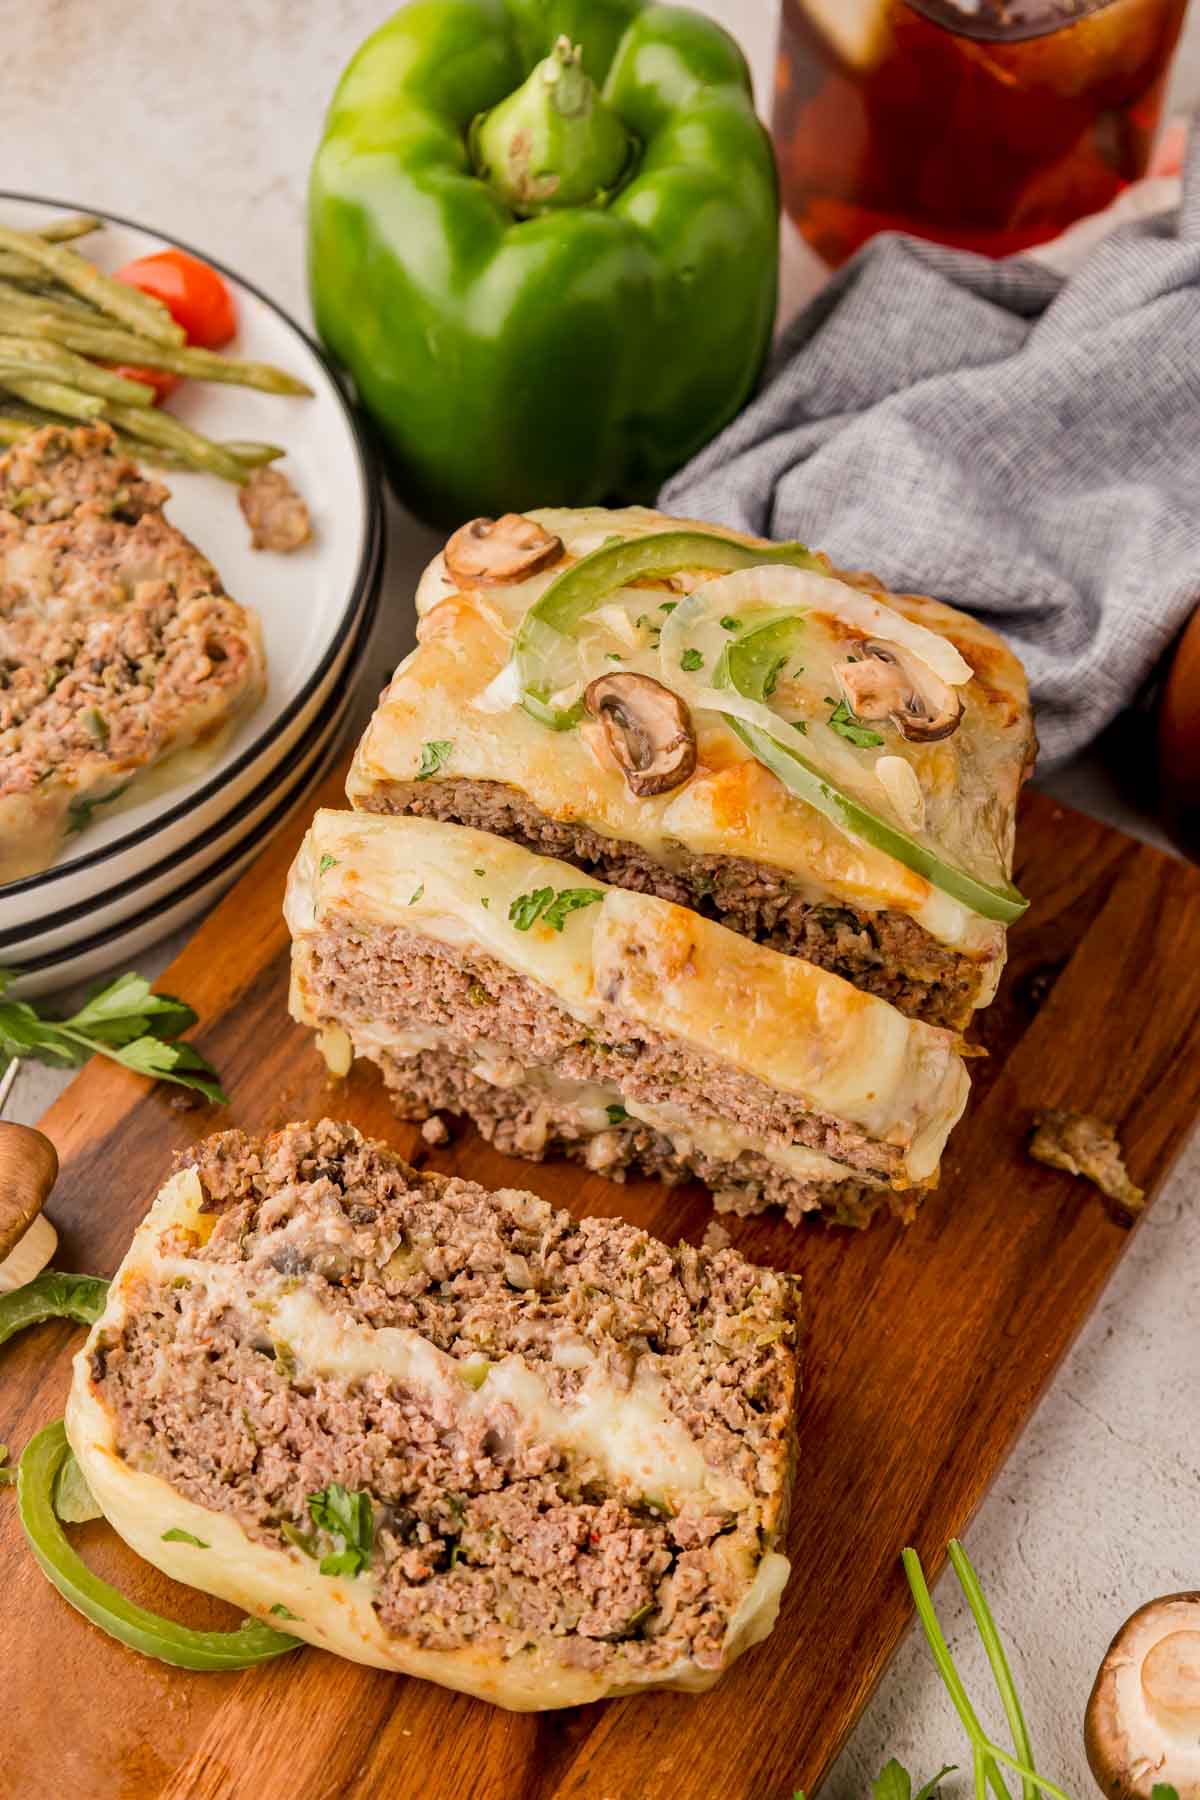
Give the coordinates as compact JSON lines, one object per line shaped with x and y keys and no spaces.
{"x":118,"y":644}
{"x":454,"y":1433}
{"x":576,"y":1019}
{"x":728,"y":838}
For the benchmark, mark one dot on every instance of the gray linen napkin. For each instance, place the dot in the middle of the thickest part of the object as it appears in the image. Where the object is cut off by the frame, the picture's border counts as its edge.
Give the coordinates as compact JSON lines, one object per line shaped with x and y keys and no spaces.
{"x":1023,"y":445}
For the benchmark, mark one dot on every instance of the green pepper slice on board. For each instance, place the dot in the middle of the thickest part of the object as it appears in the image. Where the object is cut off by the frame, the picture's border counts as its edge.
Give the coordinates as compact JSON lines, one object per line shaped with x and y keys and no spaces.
{"x":253,"y":1642}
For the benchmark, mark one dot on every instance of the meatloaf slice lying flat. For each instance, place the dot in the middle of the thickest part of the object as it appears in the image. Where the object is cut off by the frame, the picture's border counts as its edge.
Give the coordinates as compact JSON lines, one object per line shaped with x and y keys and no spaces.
{"x":453,"y":1433}
{"x":118,"y":645}
{"x":608,"y":1026}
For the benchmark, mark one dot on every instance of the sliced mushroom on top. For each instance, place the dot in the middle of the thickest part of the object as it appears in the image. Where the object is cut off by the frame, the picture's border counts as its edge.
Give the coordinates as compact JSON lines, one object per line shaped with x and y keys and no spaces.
{"x":882,"y":681}
{"x":28,"y":1171}
{"x":486,"y":551}
{"x":1142,"y":1727}
{"x":647,"y":728}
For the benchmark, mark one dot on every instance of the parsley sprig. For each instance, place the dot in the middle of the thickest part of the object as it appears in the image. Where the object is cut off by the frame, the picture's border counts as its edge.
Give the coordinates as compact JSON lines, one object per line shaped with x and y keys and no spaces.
{"x":843,"y":721}
{"x":123,"y":1021}
{"x":550,"y":907}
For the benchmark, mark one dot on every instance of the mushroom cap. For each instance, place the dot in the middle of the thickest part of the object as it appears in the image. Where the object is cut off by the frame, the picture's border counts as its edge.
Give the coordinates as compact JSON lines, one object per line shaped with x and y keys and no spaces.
{"x":648,"y":729}
{"x":28,"y":1171}
{"x":1142,"y":1725}
{"x":486,"y":551}
{"x":886,"y":682}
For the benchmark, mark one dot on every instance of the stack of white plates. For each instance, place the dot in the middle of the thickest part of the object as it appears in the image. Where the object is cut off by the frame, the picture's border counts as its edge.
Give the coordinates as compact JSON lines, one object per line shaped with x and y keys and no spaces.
{"x":156,"y":859}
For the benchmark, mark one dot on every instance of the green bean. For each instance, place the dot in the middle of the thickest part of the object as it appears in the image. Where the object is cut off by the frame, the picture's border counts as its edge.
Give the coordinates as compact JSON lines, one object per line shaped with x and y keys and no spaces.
{"x":253,"y":455}
{"x":163,"y":428}
{"x":139,"y":312}
{"x":54,"y":396}
{"x":119,"y":346}
{"x":13,"y":263}
{"x":12,"y":428}
{"x":75,"y":371}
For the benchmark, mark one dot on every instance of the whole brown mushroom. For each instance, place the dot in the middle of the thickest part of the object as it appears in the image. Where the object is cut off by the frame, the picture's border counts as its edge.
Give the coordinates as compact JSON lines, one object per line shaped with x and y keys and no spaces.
{"x":28,"y":1171}
{"x":647,"y":728}
{"x":1142,"y":1727}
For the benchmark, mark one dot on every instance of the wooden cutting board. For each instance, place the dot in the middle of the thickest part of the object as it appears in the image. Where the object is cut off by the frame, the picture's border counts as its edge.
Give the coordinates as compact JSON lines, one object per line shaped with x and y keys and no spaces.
{"x":928,"y":1350}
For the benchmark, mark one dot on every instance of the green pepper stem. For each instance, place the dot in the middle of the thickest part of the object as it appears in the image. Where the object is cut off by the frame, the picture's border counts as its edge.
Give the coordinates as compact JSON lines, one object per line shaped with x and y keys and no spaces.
{"x":553,"y":143}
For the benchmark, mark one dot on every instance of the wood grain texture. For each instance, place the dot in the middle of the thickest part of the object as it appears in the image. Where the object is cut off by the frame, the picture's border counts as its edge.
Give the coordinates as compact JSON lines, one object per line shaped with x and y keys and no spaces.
{"x":928,"y":1349}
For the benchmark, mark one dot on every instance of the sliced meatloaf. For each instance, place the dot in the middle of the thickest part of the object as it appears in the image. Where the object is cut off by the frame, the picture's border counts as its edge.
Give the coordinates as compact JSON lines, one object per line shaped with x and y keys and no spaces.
{"x":118,"y":644}
{"x":608,"y":1026}
{"x":450,"y":740}
{"x":449,"y":1432}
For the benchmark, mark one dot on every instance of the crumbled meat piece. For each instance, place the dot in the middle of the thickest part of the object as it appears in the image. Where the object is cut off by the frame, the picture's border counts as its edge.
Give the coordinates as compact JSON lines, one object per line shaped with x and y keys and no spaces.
{"x":435,"y":1131}
{"x":1088,"y":1147}
{"x":715,"y":1236}
{"x":277,"y":516}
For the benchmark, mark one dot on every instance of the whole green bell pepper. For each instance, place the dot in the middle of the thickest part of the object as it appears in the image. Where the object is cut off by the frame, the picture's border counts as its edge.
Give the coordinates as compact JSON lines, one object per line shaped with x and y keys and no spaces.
{"x":543,"y":240}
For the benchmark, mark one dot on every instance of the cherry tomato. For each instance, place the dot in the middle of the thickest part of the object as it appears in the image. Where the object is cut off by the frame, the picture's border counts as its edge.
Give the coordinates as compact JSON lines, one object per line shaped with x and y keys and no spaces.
{"x":161,"y":380}
{"x":193,"y":294}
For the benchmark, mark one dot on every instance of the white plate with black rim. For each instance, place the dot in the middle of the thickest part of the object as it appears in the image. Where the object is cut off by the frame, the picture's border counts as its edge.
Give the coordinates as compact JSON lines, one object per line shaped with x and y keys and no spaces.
{"x":310,"y":602}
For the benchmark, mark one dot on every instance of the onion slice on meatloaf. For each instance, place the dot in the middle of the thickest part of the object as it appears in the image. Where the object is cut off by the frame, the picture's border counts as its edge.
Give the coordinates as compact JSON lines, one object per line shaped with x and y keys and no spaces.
{"x":577,"y":1019}
{"x":560,"y":1451}
{"x":118,"y":644}
{"x":730,"y":840}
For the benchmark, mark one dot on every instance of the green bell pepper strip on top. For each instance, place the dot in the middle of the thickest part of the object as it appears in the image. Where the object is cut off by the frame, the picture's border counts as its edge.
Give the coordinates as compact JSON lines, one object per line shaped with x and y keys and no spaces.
{"x":579,"y":354}
{"x":253,"y":1642}
{"x":573,"y":595}
{"x":747,"y":666}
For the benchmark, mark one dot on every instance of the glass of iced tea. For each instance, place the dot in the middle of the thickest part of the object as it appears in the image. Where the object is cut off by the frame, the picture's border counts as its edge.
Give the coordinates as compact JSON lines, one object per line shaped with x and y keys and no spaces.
{"x":991,"y":124}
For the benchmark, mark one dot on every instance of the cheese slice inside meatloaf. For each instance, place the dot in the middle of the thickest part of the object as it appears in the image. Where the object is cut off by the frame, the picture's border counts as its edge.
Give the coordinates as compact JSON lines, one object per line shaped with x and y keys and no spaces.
{"x":118,"y":644}
{"x":731,"y":841}
{"x":614,"y":1027}
{"x":564,"y":1448}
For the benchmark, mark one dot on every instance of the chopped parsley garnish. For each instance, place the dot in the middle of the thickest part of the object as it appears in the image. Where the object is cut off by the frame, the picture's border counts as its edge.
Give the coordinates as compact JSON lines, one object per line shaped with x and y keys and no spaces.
{"x":416,"y":894}
{"x":842,"y":720}
{"x":551,"y":908}
{"x":177,"y":1535}
{"x":479,"y":871}
{"x":478,"y":995}
{"x":486,"y":900}
{"x":729,"y":623}
{"x":615,"y":656}
{"x":667,"y":606}
{"x":616,"y":1113}
{"x":771,"y":678}
{"x":280,"y":1611}
{"x":326,"y":863}
{"x":433,"y":757}
{"x":691,"y":660}
{"x":95,"y":724}
{"x":348,"y":1518}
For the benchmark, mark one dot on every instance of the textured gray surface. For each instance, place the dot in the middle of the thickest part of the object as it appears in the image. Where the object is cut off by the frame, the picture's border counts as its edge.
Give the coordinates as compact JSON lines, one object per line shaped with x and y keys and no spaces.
{"x":201,"y":120}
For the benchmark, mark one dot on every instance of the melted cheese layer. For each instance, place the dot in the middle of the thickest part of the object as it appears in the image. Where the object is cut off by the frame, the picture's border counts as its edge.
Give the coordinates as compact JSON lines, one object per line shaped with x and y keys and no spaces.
{"x":793,"y":1026}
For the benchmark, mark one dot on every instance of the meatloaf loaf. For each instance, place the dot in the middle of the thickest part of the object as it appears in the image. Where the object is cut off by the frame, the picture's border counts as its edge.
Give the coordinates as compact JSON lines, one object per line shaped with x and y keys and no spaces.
{"x":571,"y":1018}
{"x":440,"y":1430}
{"x":451,"y":739}
{"x":118,"y":644}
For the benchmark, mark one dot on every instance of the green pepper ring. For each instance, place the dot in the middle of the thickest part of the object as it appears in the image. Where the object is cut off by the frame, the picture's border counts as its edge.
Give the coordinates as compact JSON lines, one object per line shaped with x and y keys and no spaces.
{"x":253,"y":1642}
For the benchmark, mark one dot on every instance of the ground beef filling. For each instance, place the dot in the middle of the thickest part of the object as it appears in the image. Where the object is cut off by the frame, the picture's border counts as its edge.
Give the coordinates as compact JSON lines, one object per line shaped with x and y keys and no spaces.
{"x":481,"y":1534}
{"x":522,"y":1123}
{"x":884,"y":953}
{"x":392,"y":977}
